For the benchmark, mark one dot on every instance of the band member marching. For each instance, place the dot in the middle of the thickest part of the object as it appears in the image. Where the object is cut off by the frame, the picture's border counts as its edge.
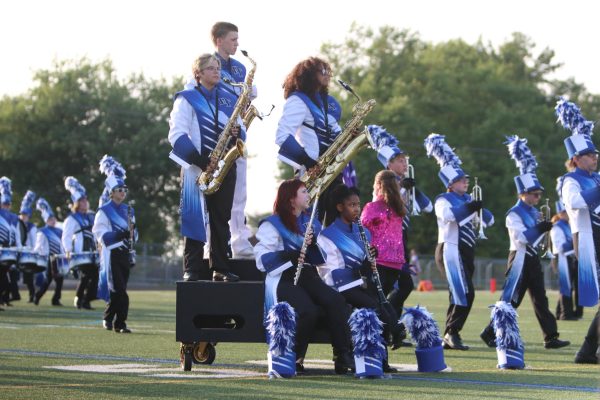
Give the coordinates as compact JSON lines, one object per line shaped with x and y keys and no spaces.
{"x":198,"y":126}
{"x":580,"y":193}
{"x":10,"y":236}
{"x":77,"y":237}
{"x":114,"y":228}
{"x":396,"y":160}
{"x":28,"y":232}
{"x":456,"y":211}
{"x":527,"y":228}
{"x":280,"y":241}
{"x":48,"y":243}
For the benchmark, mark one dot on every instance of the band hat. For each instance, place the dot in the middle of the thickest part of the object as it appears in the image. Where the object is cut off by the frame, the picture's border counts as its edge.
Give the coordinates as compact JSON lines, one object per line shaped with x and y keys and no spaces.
{"x":450,"y":170}
{"x":5,"y":190}
{"x":518,"y":150}
{"x":75,"y":188}
{"x":386,"y":144}
{"x":27,"y":203}
{"x":580,"y":142}
{"x":44,"y":208}
{"x":114,"y":171}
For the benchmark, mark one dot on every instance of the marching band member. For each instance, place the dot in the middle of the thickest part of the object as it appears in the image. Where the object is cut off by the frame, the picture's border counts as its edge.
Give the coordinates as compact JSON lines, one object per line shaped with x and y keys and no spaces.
{"x":280,"y":238}
{"x":455,"y":252}
{"x":526,"y":231}
{"x":224,"y":36}
{"x":346,"y":262}
{"x":114,"y":230}
{"x":197,"y":120}
{"x":48,"y":243}
{"x":10,"y":236}
{"x":396,"y":160}
{"x":566,"y":266}
{"x":580,"y":193}
{"x":77,"y":237}
{"x":28,"y":231}
{"x":310,"y":119}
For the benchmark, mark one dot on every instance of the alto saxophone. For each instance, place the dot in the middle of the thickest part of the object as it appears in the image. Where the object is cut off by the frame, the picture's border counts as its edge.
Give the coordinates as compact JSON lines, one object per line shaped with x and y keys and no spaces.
{"x":211,"y":180}
{"x":343,"y":149}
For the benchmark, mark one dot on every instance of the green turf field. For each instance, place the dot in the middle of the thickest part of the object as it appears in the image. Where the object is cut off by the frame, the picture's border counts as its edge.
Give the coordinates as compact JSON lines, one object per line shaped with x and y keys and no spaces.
{"x":53,"y":353}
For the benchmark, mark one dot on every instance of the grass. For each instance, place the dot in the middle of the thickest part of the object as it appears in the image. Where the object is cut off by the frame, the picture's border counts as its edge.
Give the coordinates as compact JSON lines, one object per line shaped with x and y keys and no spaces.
{"x":35,"y":338}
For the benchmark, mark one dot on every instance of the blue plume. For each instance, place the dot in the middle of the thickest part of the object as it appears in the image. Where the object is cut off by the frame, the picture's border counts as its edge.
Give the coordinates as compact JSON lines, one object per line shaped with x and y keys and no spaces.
{"x":381,"y":137}
{"x":519,"y":151}
{"x":73,"y":185}
{"x":281,"y":328}
{"x":504,"y":321}
{"x":366,"y":331}
{"x":5,"y":187}
{"x":436,"y":147}
{"x":422,"y":327}
{"x":570,"y":117}
{"x":110,"y":166}
{"x":44,"y":208}
{"x":27,"y":202}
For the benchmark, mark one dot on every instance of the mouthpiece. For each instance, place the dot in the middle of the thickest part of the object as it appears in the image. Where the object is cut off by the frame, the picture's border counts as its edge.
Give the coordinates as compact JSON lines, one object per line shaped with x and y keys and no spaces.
{"x":244,"y":52}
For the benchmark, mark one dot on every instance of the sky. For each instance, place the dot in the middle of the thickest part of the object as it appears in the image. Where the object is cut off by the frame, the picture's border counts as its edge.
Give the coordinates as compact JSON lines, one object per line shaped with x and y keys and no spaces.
{"x":161,"y":39}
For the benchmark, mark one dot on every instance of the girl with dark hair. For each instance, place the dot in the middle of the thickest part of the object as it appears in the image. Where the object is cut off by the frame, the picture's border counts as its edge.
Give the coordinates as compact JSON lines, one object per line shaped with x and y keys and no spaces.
{"x":280,"y":238}
{"x":347,"y":260}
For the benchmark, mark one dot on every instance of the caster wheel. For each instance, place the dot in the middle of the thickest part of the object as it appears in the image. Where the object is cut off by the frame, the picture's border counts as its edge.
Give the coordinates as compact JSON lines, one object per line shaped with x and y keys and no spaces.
{"x":204,"y":353}
{"x":185,"y":357}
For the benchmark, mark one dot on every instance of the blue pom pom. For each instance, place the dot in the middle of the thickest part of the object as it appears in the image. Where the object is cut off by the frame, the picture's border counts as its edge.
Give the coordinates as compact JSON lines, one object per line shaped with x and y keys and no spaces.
{"x":570,"y":117}
{"x":422,"y":327}
{"x":367,"y":331}
{"x":5,"y":186}
{"x":519,"y":151}
{"x":28,"y":200}
{"x":381,"y":137}
{"x":110,"y":166}
{"x":436,"y":147}
{"x":504,"y":321}
{"x":281,"y":328}
{"x":73,"y":185}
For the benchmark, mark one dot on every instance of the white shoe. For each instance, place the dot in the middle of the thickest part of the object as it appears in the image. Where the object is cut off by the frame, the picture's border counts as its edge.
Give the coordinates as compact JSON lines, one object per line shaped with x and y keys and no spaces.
{"x":246,"y":254}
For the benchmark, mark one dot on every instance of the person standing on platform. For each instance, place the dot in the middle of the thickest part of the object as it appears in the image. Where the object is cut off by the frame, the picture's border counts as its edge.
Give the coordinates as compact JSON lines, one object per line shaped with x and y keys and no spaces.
{"x":48,"y":243}
{"x":28,"y":231}
{"x":527,"y":229}
{"x":197,"y":121}
{"x":77,"y":237}
{"x":456,"y":212}
{"x":114,"y":229}
{"x":580,"y":193}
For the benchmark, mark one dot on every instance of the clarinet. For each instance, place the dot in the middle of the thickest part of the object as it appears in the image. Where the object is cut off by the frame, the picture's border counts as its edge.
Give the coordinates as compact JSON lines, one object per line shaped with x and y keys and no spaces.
{"x":131,"y":237}
{"x":375,"y":278}
{"x":309,"y":230}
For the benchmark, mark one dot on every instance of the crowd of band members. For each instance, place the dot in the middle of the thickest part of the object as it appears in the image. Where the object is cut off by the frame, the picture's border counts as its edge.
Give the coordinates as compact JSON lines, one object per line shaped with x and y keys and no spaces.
{"x":309,"y":124}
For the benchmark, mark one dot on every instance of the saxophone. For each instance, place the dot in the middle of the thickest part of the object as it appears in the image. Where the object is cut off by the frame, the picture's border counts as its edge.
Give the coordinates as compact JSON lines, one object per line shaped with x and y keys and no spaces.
{"x":210,"y":180}
{"x":251,"y":111}
{"x":342,"y":150}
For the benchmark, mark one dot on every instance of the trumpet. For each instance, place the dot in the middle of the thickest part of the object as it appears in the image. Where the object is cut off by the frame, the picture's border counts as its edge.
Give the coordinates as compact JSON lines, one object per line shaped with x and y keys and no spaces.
{"x":546,"y":245}
{"x":477,"y":195}
{"x":412,"y":194}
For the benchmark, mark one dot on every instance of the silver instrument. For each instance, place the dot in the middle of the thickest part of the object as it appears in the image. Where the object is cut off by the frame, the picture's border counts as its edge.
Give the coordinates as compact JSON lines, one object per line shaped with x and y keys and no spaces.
{"x":307,"y":233}
{"x":546,"y":244}
{"x":412,"y":194}
{"x":477,"y":195}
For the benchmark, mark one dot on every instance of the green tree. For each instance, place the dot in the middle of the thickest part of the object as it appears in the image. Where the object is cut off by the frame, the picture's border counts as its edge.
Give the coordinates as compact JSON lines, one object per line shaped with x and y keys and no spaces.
{"x":75,"y":113}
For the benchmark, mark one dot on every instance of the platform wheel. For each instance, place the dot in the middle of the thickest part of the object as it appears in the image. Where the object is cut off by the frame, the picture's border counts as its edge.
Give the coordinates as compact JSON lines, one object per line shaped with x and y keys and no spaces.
{"x":185,"y":356}
{"x":204,"y":353}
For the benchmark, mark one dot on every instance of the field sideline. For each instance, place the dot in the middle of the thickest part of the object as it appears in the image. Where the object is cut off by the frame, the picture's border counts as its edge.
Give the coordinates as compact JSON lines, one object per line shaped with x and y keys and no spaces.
{"x":62,"y":353}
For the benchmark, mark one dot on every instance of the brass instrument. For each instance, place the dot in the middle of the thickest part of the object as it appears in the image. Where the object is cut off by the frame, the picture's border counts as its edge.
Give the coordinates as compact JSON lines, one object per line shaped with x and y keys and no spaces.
{"x":546,"y":244}
{"x":345,"y":146}
{"x":210,"y":180}
{"x":477,"y":195}
{"x":412,"y":194}
{"x":307,"y":233}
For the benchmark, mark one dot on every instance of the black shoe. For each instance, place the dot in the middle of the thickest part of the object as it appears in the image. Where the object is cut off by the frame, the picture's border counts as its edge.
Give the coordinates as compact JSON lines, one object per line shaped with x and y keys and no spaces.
{"x":122,"y":330}
{"x":587,"y":354}
{"x":488,"y":336}
{"x":398,"y":338}
{"x":191,"y":276}
{"x":343,"y":363}
{"x":556,"y":343}
{"x":387,"y":368}
{"x":108,"y":325}
{"x":15,"y":298}
{"x":299,"y":369}
{"x":36,"y":301}
{"x":87,"y":306}
{"x":454,"y":342}
{"x":56,"y":303}
{"x":568,"y":318}
{"x":225,"y":277}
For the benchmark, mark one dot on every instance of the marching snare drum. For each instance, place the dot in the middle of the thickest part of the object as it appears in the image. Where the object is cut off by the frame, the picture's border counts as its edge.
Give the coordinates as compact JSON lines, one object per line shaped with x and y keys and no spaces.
{"x":62,"y":264}
{"x":42,"y":263}
{"x":84,"y":261}
{"x":8,"y":256}
{"x":28,"y":261}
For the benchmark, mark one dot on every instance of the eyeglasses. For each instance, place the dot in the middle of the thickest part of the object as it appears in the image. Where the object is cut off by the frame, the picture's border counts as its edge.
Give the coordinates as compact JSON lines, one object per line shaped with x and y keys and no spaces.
{"x":212,"y":68}
{"x":121,"y":190}
{"x":326,"y":72}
